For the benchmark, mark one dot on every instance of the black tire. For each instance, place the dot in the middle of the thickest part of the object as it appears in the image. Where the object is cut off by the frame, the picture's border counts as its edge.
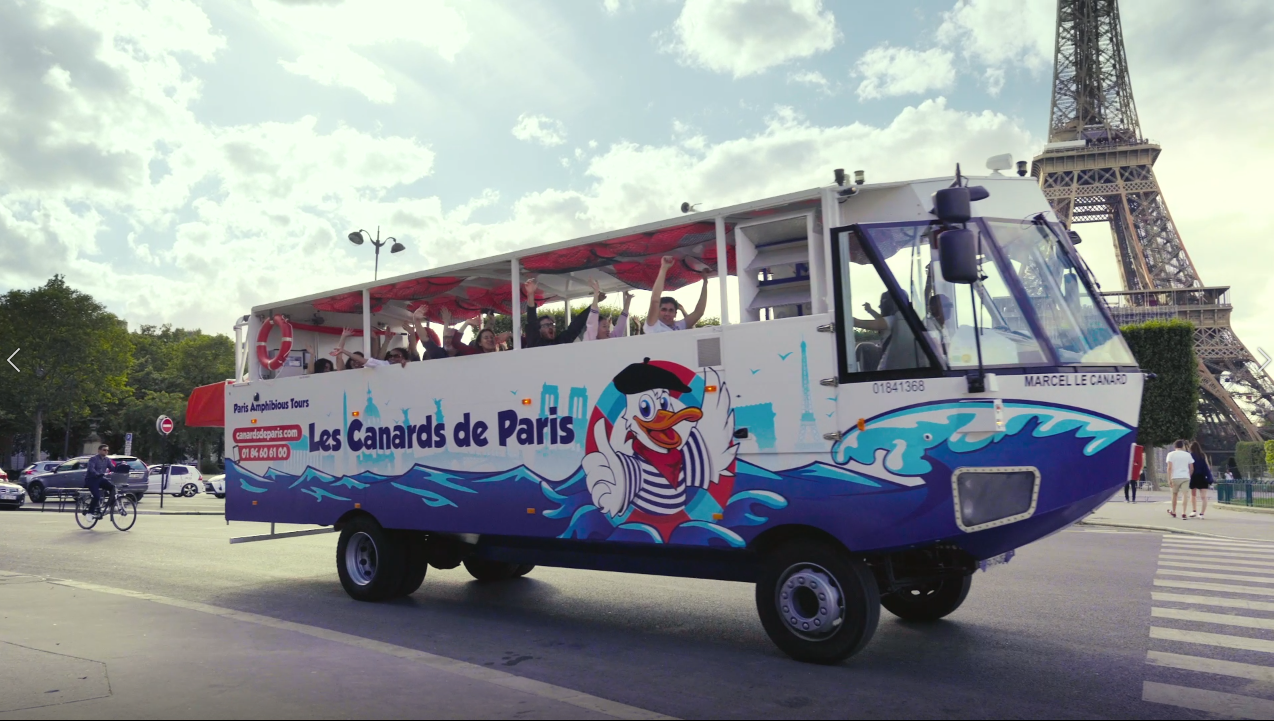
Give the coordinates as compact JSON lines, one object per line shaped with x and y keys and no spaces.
{"x":484,"y":570}
{"x":805,"y":587}
{"x":36,"y":492}
{"x":82,"y":516}
{"x":219,"y":495}
{"x":124,"y":515}
{"x":415,"y":563}
{"x":369,"y":561}
{"x":930,"y":602}
{"x":524,"y":569}
{"x":189,"y":490}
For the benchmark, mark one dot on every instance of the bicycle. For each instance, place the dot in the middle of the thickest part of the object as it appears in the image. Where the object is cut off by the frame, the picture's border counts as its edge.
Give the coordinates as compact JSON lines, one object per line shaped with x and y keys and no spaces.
{"x":123,"y":510}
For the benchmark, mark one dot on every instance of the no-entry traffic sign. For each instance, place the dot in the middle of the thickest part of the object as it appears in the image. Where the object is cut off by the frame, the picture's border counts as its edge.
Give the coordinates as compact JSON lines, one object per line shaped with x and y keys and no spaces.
{"x":164,"y":425}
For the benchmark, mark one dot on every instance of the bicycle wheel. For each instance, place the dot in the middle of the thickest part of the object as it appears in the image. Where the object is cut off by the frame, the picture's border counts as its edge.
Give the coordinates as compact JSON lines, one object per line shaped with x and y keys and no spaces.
{"x":82,"y":516}
{"x":124,"y":513}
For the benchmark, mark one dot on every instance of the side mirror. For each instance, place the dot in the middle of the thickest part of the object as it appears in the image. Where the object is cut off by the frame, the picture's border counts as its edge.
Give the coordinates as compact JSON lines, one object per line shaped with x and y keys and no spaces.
{"x":1075,"y":239}
{"x":951,"y":205}
{"x":958,"y":255}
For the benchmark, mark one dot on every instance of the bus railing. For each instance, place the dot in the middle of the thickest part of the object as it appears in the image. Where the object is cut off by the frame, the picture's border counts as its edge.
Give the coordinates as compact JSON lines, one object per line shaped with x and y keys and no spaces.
{"x":1256,"y":494}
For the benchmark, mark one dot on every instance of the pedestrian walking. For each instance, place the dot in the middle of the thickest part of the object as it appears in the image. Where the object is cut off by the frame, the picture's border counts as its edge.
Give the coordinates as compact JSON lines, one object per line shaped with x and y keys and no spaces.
{"x":1130,"y":485}
{"x":1180,"y":466}
{"x":1200,"y":481}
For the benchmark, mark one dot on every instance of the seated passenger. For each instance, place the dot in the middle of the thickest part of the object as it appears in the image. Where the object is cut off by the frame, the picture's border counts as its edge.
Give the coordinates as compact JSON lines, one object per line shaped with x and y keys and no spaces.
{"x":937,"y":322}
{"x":315,"y":364}
{"x":485,"y":342}
{"x":662,"y":316}
{"x":599,"y":326}
{"x":418,"y":331}
{"x":543,"y":331}
{"x":358,"y":360}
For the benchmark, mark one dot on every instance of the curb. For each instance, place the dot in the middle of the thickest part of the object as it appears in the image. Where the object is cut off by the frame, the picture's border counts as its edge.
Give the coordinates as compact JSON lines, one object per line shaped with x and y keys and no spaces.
{"x":1244,"y":509}
{"x":1166,"y":529}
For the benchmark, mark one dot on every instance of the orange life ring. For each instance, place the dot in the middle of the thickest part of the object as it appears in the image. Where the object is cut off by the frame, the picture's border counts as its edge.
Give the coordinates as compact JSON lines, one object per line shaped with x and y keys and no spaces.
{"x":263,"y":354}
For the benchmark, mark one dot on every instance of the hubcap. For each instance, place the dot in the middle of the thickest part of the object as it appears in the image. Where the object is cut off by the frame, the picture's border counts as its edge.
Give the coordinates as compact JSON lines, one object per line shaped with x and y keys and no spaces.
{"x":361,"y":558}
{"x":810,"y":601}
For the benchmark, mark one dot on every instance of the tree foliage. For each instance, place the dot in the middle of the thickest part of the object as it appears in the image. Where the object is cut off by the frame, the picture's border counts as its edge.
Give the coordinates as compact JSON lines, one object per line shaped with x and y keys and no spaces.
{"x":1250,"y":457}
{"x":1170,"y":401}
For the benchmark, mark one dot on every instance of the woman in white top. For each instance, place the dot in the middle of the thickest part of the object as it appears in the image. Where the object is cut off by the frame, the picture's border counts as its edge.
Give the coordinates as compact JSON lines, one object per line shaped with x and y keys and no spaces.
{"x":662,"y":317}
{"x":599,"y":326}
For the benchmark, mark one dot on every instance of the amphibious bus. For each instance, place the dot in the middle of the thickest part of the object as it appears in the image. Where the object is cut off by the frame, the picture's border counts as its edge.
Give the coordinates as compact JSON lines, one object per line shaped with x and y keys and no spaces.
{"x":908,"y":380}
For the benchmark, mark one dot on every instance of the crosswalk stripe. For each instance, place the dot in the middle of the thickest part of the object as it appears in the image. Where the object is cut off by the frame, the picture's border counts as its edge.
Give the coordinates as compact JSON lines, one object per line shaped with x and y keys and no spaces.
{"x":1211,"y":665}
{"x":1225,"y":587}
{"x":1212,"y":639}
{"x":1213,"y":601}
{"x":1228,"y":541}
{"x":1182,"y":543}
{"x":1212,"y":566}
{"x":1221,"y":576}
{"x":1224,"y":619}
{"x":1226,"y":558}
{"x":1225,"y":704}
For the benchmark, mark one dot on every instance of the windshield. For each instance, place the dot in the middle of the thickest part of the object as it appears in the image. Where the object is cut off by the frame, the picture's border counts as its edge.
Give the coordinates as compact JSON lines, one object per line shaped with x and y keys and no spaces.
{"x":949,"y":313}
{"x":1067,"y":311}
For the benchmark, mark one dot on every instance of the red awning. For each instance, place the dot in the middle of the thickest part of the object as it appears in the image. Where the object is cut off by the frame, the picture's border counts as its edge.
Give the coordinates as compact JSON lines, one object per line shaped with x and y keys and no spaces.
{"x":207,"y":406}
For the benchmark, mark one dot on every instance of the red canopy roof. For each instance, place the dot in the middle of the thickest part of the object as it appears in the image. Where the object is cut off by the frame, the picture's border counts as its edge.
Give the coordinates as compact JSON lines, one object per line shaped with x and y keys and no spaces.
{"x":207,"y":406}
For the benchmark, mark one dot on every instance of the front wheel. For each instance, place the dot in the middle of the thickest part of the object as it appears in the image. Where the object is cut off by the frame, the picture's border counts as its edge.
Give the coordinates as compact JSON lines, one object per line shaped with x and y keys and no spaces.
{"x":85,"y":519}
{"x":817,"y":603}
{"x":124,"y":513}
{"x":929,"y":602}
{"x":369,"y":561}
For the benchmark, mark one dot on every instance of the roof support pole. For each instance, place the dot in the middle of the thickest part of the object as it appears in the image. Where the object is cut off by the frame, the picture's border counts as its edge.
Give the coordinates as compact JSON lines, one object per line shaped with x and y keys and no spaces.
{"x":516,"y":275}
{"x":367,"y":323}
{"x":254,"y":365}
{"x":723,"y":271}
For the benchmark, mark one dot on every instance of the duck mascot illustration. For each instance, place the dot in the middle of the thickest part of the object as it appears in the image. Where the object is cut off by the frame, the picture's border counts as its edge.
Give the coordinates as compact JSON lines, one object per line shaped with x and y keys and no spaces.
{"x":642,"y":465}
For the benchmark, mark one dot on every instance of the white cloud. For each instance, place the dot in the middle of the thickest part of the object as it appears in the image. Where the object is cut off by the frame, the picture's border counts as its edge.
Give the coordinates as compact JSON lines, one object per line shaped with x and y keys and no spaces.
{"x":745,"y":37}
{"x":890,"y":71}
{"x":813,"y":79}
{"x":331,"y":40}
{"x":1002,"y":32}
{"x":539,"y":129}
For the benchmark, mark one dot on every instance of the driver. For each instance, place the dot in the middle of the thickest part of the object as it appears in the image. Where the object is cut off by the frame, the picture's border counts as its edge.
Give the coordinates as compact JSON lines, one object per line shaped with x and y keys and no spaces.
{"x":95,"y":478}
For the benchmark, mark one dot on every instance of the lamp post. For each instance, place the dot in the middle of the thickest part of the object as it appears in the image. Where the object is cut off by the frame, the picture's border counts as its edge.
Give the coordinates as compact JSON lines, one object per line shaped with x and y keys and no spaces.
{"x":357,"y":238}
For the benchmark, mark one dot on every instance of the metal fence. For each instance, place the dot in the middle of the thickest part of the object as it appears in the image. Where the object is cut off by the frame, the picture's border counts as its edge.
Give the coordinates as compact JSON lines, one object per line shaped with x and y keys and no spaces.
{"x":1246,"y":493}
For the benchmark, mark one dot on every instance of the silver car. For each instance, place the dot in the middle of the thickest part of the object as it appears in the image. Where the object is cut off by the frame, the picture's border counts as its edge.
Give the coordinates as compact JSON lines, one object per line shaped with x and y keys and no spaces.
{"x":12,"y":495}
{"x":70,"y":477}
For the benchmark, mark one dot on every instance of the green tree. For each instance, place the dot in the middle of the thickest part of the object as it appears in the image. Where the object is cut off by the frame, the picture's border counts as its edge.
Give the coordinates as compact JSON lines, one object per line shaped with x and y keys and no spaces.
{"x":1170,"y":401}
{"x":77,"y":357}
{"x":1250,"y":458}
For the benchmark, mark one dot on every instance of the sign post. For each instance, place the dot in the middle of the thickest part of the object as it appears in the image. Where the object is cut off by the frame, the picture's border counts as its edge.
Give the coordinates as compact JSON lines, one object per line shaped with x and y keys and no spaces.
{"x":128,"y":444}
{"x":164,"y":425}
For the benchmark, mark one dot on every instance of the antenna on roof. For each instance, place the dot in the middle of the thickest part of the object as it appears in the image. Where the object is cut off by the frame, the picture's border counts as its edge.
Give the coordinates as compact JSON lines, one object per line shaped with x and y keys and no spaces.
{"x":689,"y":208}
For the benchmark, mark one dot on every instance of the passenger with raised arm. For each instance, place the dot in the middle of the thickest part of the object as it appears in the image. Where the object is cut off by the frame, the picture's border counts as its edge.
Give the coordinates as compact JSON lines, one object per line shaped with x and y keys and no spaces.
{"x":599,"y":326}
{"x":418,"y":331}
{"x":662,"y":316}
{"x":314,"y":364}
{"x":543,"y":331}
{"x":357,"y":360}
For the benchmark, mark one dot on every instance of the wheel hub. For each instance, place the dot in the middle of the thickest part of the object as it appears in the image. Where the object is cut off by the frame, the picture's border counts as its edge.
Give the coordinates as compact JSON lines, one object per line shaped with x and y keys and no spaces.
{"x":810,"y":601}
{"x":361,"y":558}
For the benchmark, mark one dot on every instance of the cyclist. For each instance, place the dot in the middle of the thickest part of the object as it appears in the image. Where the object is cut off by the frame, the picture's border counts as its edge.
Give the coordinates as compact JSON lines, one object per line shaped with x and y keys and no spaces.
{"x":95,"y":477}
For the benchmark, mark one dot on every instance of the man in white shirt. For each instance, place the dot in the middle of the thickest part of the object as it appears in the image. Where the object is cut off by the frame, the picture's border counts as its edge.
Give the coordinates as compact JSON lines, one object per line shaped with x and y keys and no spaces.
{"x":1180,"y":466}
{"x":662,"y":317}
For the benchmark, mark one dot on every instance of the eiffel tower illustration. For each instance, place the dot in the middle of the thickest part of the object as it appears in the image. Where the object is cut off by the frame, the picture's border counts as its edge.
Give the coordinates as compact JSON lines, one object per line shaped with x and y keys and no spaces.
{"x":1098,"y":167}
{"x":809,"y":439}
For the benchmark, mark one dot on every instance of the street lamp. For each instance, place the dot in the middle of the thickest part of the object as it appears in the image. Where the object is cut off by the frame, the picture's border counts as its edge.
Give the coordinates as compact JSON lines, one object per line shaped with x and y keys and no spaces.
{"x":357,"y":239}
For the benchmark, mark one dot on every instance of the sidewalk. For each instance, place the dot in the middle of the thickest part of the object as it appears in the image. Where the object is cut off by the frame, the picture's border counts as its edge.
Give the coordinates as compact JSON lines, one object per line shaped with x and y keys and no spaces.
{"x":1151,"y":512}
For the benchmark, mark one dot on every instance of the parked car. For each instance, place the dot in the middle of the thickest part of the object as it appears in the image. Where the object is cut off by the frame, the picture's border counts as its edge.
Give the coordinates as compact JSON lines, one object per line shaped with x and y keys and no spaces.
{"x":183,"y":480}
{"x":36,"y":469}
{"x":4,"y":475}
{"x":12,"y":496}
{"x":69,"y":476}
{"x":216,"y":485}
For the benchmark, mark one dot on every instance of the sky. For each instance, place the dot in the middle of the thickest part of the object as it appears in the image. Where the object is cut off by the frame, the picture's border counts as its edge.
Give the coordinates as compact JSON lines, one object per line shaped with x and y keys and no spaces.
{"x":183,"y":161}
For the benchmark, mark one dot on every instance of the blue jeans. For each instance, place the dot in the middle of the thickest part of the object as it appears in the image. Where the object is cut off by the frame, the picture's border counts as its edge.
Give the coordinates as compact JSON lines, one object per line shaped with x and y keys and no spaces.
{"x":95,"y":485}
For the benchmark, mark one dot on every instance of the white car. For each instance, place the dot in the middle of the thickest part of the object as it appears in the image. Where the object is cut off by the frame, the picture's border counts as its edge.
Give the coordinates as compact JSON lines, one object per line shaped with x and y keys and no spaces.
{"x":182,"y":480}
{"x":216,"y":485}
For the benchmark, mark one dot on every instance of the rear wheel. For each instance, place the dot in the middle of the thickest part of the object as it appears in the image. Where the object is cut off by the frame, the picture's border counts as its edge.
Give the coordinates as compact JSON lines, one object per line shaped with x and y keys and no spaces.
{"x":124,"y":513}
{"x":36,"y":492}
{"x":484,"y":570}
{"x":817,"y":603}
{"x":369,"y":561}
{"x":220,"y":495}
{"x":929,"y":602}
{"x":85,"y":519}
{"x":415,"y":563}
{"x":189,"y":490}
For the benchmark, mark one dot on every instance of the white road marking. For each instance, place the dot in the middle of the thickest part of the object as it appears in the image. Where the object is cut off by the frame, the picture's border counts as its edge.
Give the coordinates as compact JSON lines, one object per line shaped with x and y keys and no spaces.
{"x":1225,"y":558}
{"x":1224,"y":619}
{"x":441,"y":663}
{"x":1225,"y":587}
{"x":1211,"y":665}
{"x":1177,"y":543}
{"x":1212,"y":639}
{"x":1222,"y":576}
{"x":1213,"y":566}
{"x":1225,"y":704}
{"x":1221,"y":541}
{"x":1214,"y":601}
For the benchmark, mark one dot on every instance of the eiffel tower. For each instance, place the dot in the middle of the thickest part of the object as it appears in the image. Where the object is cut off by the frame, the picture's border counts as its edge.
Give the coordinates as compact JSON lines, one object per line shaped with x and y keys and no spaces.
{"x":1097,"y":167}
{"x":808,"y":440}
